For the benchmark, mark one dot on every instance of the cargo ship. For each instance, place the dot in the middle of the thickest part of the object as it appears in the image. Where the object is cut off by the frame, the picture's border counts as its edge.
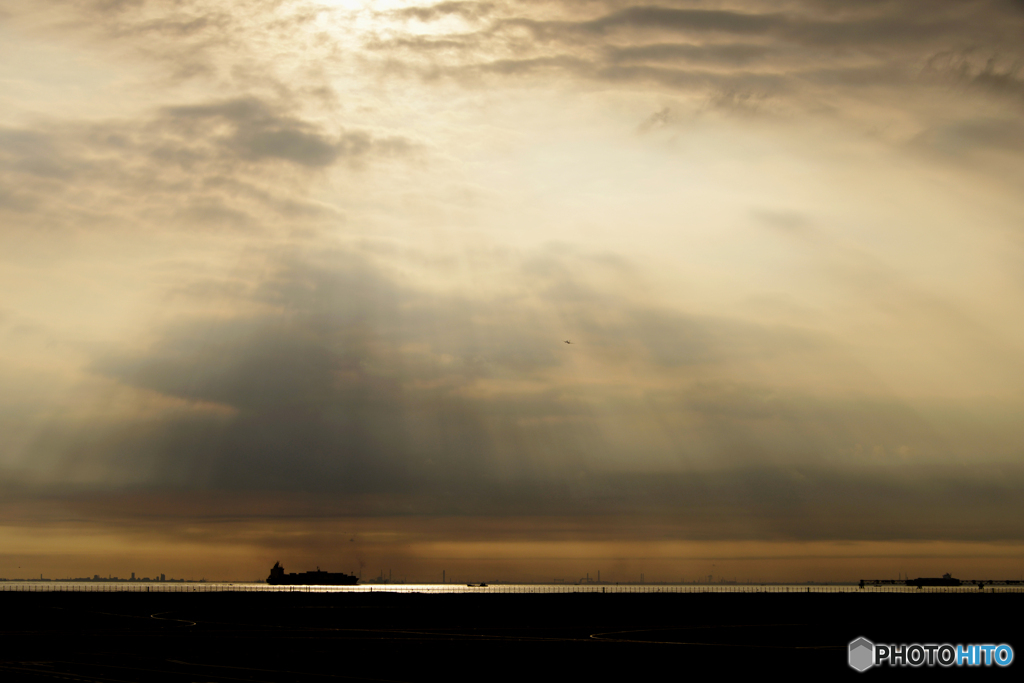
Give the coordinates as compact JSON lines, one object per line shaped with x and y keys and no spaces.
{"x":318,"y":578}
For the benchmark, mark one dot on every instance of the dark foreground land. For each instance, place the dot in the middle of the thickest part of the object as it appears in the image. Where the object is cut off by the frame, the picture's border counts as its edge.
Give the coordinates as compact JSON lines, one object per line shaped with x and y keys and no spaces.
{"x":394,"y":637}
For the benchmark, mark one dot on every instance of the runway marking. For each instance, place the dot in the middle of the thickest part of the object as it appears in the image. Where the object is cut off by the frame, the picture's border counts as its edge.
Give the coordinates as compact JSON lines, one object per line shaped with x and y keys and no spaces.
{"x":154,"y":616}
{"x":62,"y":675}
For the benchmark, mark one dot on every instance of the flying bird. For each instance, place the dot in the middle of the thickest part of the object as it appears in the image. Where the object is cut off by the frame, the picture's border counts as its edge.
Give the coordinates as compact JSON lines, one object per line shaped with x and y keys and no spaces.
{"x":568,"y":342}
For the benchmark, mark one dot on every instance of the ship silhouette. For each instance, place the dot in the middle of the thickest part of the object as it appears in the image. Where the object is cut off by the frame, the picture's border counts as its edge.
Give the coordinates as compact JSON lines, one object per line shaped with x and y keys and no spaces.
{"x":318,"y":578}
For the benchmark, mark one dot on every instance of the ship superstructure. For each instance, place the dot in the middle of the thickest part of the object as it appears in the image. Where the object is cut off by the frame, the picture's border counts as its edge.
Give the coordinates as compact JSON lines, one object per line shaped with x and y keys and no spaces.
{"x":315,"y":578}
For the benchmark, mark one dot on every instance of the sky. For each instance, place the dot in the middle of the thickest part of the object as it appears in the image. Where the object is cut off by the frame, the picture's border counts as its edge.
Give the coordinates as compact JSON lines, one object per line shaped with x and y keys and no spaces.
{"x":291,"y":280}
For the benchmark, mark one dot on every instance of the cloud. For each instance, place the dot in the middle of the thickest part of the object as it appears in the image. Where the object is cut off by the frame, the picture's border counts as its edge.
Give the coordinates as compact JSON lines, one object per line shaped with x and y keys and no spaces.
{"x":466,"y":10}
{"x":345,"y":382}
{"x":33,"y":153}
{"x":510,"y":67}
{"x":200,"y":164}
{"x":686,"y":20}
{"x":788,"y":222}
{"x":992,"y":72}
{"x":789,"y":25}
{"x":261,"y":133}
{"x":792,"y":59}
{"x":696,"y":80}
{"x":15,"y":201}
{"x":799,"y":55}
{"x":296,"y":252}
{"x":986,"y":134}
{"x":730,"y":53}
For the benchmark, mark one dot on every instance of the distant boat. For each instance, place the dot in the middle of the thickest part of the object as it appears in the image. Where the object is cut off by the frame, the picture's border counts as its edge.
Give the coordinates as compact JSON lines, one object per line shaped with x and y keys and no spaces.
{"x":318,"y":578}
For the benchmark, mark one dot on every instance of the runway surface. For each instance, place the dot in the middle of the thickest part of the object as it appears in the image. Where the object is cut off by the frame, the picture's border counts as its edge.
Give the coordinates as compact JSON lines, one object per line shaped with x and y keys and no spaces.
{"x":220,"y":637}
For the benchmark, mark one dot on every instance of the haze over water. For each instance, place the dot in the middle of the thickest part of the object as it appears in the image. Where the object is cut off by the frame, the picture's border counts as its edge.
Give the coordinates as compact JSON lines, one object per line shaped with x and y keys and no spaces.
{"x":293,"y":280}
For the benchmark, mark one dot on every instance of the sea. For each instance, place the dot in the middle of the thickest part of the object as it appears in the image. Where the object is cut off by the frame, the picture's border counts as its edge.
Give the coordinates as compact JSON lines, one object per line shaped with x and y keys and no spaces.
{"x":56,"y":586}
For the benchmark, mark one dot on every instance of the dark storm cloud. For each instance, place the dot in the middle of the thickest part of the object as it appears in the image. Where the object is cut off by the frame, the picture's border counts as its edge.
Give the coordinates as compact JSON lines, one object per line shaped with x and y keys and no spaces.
{"x":324,"y":397}
{"x":884,"y":502}
{"x":265,"y":458}
{"x":396,"y":399}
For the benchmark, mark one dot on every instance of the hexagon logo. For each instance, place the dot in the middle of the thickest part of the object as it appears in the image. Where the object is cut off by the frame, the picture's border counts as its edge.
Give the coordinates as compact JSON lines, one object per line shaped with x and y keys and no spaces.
{"x":862,"y":654}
